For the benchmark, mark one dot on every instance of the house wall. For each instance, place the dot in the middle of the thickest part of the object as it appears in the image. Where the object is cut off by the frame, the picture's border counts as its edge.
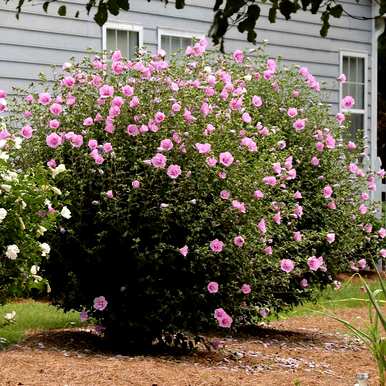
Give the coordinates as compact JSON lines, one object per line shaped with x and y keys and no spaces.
{"x":36,"y":41}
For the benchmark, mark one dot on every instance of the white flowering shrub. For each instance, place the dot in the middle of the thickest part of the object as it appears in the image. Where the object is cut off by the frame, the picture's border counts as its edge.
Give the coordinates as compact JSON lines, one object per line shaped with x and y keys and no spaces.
{"x":208,"y":191}
{"x":26,"y":213}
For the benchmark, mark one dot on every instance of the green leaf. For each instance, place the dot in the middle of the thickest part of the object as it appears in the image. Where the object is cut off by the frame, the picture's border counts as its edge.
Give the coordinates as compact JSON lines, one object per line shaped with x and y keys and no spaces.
{"x":62,"y":10}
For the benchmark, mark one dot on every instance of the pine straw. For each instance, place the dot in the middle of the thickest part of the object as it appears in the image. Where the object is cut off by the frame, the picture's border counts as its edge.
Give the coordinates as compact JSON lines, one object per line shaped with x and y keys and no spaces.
{"x":312,"y":350}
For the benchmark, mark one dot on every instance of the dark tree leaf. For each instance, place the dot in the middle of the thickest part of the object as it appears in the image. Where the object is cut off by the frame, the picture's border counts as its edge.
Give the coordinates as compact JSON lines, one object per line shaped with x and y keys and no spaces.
{"x":77,"y":14}
{"x":382,"y":7}
{"x":113,"y":7}
{"x":62,"y":10}
{"x":124,"y":4}
{"x":101,"y":14}
{"x":336,"y":11}
{"x":326,"y":25}
{"x":272,"y":14}
{"x":180,"y":4}
{"x":217,"y":5}
{"x":251,"y":37}
{"x":45,"y":6}
{"x":315,"y":5}
{"x":305,"y":4}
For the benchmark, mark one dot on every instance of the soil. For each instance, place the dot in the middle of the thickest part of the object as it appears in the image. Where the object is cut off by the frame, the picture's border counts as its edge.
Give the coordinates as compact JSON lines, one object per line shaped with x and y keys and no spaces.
{"x":306,"y":351}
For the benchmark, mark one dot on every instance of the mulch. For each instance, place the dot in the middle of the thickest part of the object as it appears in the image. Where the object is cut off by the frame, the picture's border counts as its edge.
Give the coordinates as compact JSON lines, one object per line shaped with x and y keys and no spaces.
{"x":306,"y":351}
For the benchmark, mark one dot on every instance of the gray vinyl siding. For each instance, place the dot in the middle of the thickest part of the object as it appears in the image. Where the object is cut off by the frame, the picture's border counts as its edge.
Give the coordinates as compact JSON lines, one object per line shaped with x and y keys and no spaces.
{"x":37,"y":41}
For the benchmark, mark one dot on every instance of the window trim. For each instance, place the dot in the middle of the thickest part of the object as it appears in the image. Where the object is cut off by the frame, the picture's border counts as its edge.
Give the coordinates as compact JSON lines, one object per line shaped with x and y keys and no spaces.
{"x":365,"y":111}
{"x":122,"y":27}
{"x":176,"y":33}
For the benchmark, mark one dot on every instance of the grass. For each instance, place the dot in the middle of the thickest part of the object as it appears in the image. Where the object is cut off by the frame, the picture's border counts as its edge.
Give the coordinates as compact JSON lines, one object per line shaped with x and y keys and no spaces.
{"x":37,"y":316}
{"x":34,"y":316}
{"x":349,"y":296}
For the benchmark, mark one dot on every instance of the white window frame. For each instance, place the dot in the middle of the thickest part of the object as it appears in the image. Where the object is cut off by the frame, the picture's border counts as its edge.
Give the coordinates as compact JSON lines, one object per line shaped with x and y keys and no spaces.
{"x":122,"y":27}
{"x":364,"y":112}
{"x":176,"y":33}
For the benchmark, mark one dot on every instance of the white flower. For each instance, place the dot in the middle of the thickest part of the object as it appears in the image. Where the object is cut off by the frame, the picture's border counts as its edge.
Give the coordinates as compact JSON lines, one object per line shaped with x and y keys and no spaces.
{"x":35,"y":269}
{"x":59,"y":169}
{"x":18,"y":142}
{"x":65,"y":212}
{"x":9,"y":176}
{"x":3,"y":214}
{"x":10,"y":316}
{"x":248,"y":77}
{"x":4,"y":155}
{"x":56,"y":190}
{"x":164,"y":205}
{"x":41,"y":230}
{"x":207,"y":69}
{"x":5,"y":187}
{"x":3,"y":142}
{"x":12,"y":251}
{"x":45,"y":249}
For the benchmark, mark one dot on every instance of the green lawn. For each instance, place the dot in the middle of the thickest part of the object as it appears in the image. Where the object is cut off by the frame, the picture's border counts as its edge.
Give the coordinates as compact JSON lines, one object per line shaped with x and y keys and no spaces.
{"x":34,"y":316}
{"x":37,"y":316}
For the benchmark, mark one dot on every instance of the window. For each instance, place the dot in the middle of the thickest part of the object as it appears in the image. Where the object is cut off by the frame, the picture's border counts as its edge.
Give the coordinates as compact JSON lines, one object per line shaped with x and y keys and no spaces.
{"x":123,"y":37}
{"x":173,"y":41}
{"x":354,"y":66}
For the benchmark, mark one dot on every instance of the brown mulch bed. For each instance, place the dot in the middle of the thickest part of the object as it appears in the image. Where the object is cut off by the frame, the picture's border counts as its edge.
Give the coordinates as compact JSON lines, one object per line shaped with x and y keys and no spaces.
{"x":310,"y":350}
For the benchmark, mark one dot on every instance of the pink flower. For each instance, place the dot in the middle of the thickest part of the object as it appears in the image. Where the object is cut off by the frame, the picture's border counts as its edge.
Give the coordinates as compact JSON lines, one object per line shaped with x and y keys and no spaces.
{"x":287,"y":265}
{"x":106,"y":91}
{"x":268,"y":250}
{"x":261,"y":226}
{"x":340,"y":117}
{"x":246,"y":289}
{"x":364,"y":196}
{"x":56,"y":109}
{"x":216,"y":245}
{"x":277,"y":218}
{"x":347,"y":102}
{"x":159,"y":116}
{"x":225,"y":321}
{"x":166,"y":145}
{"x":83,"y":316}
{"x":135,"y":184}
{"x":297,"y":195}
{"x":331,"y":205}
{"x":224,"y":194}
{"x":342,"y":78}
{"x":292,"y":112}
{"x":330,"y":237}
{"x":246,"y":118}
{"x":258,"y":194}
{"x":382,"y":233}
{"x":327,"y":191}
{"x":211,"y":161}
{"x":362,"y":264}
{"x":109,"y":194}
{"x":257,"y":101}
{"x":184,"y":250}
{"x":176,"y":107}
{"x":51,"y":164}
{"x":330,"y":141}
{"x":159,"y":161}
{"x":203,"y":148}
{"x":127,"y":90}
{"x":226,"y":159}
{"x":315,"y":161}
{"x":26,"y":132}
{"x":88,"y":122}
{"x":297,"y":236}
{"x":363,"y":209}
{"x":298,"y":211}
{"x":44,"y":98}
{"x":239,"y":205}
{"x":3,"y":94}
{"x":239,"y":241}
{"x":299,"y":124}
{"x":107,"y":147}
{"x":303,"y":283}
{"x":77,"y":140}
{"x":270,"y":180}
{"x":174,"y":171}
{"x":100,"y":303}
{"x":53,"y":140}
{"x":116,"y":56}
{"x":132,"y":130}
{"x":238,"y":56}
{"x":382,"y":253}
{"x":314,"y":263}
{"x":53,"y":124}
{"x":212,"y":287}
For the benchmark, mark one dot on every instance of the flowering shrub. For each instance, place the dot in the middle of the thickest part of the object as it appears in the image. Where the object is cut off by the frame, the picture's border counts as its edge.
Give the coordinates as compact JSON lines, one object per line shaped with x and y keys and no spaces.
{"x":205,"y":191}
{"x":25,"y":216}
